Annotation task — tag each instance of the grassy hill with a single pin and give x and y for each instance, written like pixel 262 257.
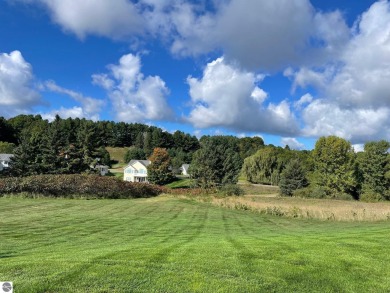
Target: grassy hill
pixel 175 245
pixel 117 154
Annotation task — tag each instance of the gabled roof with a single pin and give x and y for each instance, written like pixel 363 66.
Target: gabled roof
pixel 145 163
pixel 6 157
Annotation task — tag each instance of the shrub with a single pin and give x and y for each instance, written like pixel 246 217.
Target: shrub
pixel 77 186
pixel 188 191
pixel 370 196
pixel 310 192
pixel 231 189
pixel 343 196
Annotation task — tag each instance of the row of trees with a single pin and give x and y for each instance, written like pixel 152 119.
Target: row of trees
pixel 331 170
pixel 73 145
pixel 108 133
pixel 49 149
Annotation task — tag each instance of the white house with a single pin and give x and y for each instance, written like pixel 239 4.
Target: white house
pixel 103 169
pixel 184 169
pixel 136 171
pixel 5 159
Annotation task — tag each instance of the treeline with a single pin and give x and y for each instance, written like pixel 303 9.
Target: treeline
pixel 71 146
pixel 219 160
pixel 332 170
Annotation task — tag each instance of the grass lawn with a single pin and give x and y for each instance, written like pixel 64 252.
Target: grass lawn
pixel 181 182
pixel 176 245
pixel 117 154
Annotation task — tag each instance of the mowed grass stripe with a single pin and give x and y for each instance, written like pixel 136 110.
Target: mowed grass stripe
pixel 173 245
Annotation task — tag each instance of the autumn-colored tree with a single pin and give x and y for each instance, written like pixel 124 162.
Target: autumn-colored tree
pixel 159 170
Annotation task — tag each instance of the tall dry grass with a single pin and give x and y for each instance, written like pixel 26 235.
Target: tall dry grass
pixel 322 209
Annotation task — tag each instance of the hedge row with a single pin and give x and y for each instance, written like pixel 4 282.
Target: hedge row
pixel 77 185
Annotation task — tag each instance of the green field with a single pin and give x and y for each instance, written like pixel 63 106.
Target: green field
pixel 175 245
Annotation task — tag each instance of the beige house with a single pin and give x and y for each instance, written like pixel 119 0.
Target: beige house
pixel 136 171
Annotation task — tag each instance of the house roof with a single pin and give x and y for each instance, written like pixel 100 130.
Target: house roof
pixel 143 162
pixel 6 157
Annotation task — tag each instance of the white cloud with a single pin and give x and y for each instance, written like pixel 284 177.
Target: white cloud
pixel 115 19
pixel 17 91
pixel 324 117
pixel 90 107
pixel 74 112
pixel 304 100
pixel 261 34
pixel 223 97
pixel 354 89
pixel 135 98
pixel 292 142
pixel 358 147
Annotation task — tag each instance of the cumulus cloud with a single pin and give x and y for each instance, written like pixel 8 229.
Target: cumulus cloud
pixel 17 91
pixel 135 97
pixel 262 34
pixel 304 100
pixel 229 97
pixel 323 117
pixel 90 107
pixel 115 19
pixel 74 112
pixel 354 100
pixel 292 142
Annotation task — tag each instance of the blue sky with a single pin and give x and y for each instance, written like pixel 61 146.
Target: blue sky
pixel 289 71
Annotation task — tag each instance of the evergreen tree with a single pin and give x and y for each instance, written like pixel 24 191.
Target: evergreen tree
pixel 53 149
pixel 147 143
pixel 74 160
pixel 375 167
pixel 139 140
pixel 7 133
pixel 292 178
pixel 87 143
pixel 134 153
pixel 217 162
pixel 27 157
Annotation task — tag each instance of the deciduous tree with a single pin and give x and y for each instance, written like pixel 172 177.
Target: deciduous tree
pixel 159 170
pixel 336 170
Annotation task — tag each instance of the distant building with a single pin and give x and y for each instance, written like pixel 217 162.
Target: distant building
pixel 136 171
pixel 5 160
pixel 103 169
pixel 184 169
